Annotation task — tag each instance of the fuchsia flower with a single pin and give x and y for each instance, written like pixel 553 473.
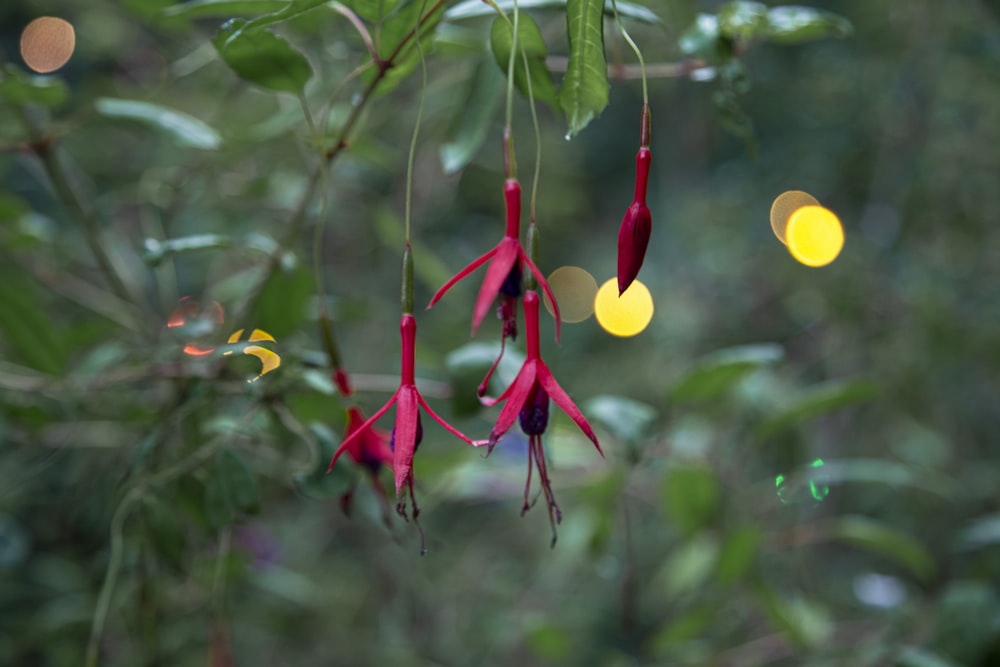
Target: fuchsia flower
pixel 369 450
pixel 408 431
pixel 527 400
pixel 503 276
pixel 633 235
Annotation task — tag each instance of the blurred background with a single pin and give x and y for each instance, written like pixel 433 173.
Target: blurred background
pixel 800 462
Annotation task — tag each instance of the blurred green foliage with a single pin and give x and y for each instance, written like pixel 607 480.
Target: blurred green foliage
pixel 158 509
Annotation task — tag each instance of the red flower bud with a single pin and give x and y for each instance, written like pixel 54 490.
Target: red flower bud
pixel 633 235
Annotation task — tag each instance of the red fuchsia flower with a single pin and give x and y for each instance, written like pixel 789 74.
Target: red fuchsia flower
pixel 503 276
pixel 369 450
pixel 527 400
pixel 633 235
pixel 407 431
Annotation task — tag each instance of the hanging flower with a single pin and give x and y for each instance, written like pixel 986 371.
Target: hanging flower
pixel 503 276
pixel 407 431
pixel 369 450
pixel 633 235
pixel 527 400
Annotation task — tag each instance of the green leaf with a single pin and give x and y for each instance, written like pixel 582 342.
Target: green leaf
pixel 474 116
pixel 701 38
pixel 743 20
pixel 184 129
pixel 289 11
pixel 549 642
pixel 155 251
pixel 584 92
pixel 791 25
pixel 262 58
pixel 396 27
pixel 165 532
pixel 691 496
pixel 217 507
pixel 816 401
pixel 199 9
pixel 283 304
pixel 317 483
pixel 718 372
pixel 19 88
pixel 531 43
pixel 626 419
pixel 27 328
pixel 919 657
pixel 466 367
pixel 472 8
pixel 682 629
pixel 238 481
pixel 982 532
pixel 878 537
pixel 805 623
pixel 737 554
pixel 690 565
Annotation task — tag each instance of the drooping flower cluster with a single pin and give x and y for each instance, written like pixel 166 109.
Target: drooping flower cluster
pixel 527 398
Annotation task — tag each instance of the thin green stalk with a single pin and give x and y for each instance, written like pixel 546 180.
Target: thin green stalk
pixel 638 53
pixel 509 161
pixel 44 149
pixel 118 526
pixel 416 132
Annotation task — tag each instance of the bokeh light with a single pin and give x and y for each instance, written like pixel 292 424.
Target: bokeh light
pixel 818 489
pixel 195 324
pixel 574 289
pixel 625 315
pixel 269 359
pixel 814 236
pixel 784 206
pixel 47 44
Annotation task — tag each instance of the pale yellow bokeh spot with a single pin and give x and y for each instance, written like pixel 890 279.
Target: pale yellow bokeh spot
pixel 47 44
pixel 624 315
pixel 814 236
pixel 574 289
pixel 784 206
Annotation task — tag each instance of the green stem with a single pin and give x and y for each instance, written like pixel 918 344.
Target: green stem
pixel 44 149
pixel 509 117
pixel 416 131
pixel 118 525
pixel 638 53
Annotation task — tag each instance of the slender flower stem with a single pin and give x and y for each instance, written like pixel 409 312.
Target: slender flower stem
pixel 509 117
pixel 416 133
pixel 638 53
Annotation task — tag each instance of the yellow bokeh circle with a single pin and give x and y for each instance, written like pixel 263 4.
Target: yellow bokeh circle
pixel 625 315
pixel 47 44
pixel 784 206
pixel 574 289
pixel 814 236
